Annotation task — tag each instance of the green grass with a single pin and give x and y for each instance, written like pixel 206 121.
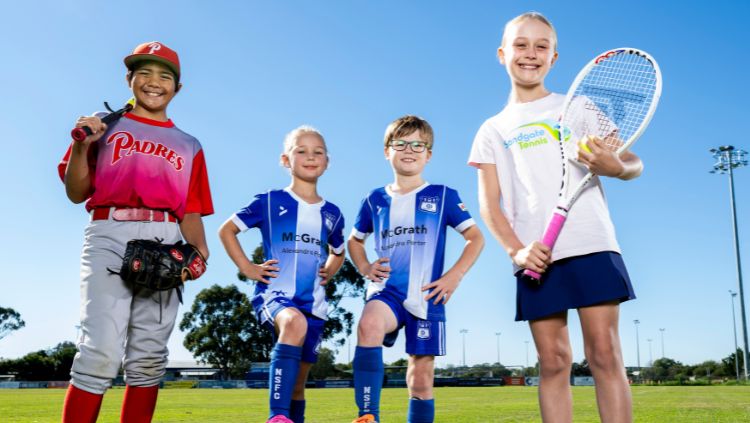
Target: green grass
pixel 455 405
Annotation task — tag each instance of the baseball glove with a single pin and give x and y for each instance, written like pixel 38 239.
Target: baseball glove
pixel 160 267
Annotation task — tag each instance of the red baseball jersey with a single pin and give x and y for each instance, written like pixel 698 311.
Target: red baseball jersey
pixel 143 163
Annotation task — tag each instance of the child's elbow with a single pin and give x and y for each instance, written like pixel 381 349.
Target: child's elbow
pixel 75 196
pixel 227 229
pixel 477 237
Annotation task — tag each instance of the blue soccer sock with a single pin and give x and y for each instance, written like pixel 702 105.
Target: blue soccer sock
pixel 368 379
pixel 282 377
pixel 297 411
pixel 421 411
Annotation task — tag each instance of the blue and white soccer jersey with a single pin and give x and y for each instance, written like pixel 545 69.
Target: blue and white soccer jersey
pixel 298 235
pixel 410 230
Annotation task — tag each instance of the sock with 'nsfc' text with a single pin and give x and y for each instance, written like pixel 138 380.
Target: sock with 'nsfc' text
pixel 283 374
pixel 368 379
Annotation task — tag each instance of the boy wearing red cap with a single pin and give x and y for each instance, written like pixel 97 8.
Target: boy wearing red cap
pixel 141 178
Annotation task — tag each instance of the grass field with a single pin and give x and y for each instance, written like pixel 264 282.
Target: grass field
pixel 454 405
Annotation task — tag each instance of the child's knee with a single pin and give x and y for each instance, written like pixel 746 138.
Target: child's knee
pixel 292 324
pixel 603 356
pixel 371 329
pixel 555 360
pixel 420 385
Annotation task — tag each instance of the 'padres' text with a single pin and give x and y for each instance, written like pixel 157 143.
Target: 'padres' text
pixel 126 144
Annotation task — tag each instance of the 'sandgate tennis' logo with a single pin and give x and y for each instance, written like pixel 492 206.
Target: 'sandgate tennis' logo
pixel 126 145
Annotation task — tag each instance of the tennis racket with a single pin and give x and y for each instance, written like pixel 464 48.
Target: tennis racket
pixel 613 97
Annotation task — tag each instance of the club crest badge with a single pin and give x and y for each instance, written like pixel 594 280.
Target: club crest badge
pixel 429 204
pixel 329 219
pixel 423 330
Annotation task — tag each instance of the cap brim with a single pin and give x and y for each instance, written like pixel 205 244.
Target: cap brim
pixel 135 58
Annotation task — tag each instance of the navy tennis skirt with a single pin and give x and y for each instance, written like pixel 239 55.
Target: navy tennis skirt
pixel 572 283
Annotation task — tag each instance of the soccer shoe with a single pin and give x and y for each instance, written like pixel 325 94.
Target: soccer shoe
pixel 367 418
pixel 279 418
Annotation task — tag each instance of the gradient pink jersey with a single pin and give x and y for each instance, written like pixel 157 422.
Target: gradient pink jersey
pixel 143 163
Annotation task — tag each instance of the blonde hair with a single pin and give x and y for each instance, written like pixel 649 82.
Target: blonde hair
pixel 406 125
pixel 296 133
pixel 535 16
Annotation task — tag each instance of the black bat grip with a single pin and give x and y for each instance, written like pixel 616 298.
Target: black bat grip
pixel 80 134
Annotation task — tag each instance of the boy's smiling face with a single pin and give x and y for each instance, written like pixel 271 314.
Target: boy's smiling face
pixel 406 162
pixel 153 86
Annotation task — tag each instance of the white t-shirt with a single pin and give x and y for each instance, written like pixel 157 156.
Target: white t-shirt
pixel 521 141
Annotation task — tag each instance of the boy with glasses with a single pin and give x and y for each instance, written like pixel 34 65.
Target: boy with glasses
pixel 408 287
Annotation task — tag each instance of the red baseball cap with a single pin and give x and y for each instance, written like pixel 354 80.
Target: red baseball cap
pixel 155 51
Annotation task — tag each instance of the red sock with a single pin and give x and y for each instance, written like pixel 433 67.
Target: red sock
pixel 81 406
pixel 139 404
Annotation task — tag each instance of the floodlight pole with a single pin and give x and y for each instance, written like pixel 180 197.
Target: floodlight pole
pixel 637 344
pixel 727 159
pixel 527 353
pixel 662 341
pixel 463 335
pixel 734 328
pixel 498 346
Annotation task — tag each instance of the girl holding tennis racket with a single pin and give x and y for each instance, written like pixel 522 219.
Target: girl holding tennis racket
pixel 517 153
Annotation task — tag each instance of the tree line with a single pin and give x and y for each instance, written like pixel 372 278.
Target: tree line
pixel 221 330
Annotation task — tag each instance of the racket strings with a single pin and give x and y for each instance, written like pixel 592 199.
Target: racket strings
pixel 613 100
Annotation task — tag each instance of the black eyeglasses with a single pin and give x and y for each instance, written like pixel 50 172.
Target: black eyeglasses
pixel 416 146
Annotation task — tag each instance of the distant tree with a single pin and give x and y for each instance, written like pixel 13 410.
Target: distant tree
pixel 222 330
pixel 50 364
pixel 10 320
pixel 62 354
pixel 664 369
pixel 708 369
pixel 36 366
pixel 347 283
pixel 344 368
pixel 400 362
pixel 581 369
pixel 325 365
pixel 728 363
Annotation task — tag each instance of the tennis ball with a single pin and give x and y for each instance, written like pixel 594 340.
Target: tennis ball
pixel 583 146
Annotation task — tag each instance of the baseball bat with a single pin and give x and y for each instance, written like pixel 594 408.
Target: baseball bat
pixel 80 134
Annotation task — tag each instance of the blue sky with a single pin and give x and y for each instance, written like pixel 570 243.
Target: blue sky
pixel 255 70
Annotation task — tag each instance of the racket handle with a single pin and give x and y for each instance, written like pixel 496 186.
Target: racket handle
pixel 80 134
pixel 549 239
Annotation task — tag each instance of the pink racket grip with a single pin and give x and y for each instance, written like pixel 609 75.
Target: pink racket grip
pixel 549 239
